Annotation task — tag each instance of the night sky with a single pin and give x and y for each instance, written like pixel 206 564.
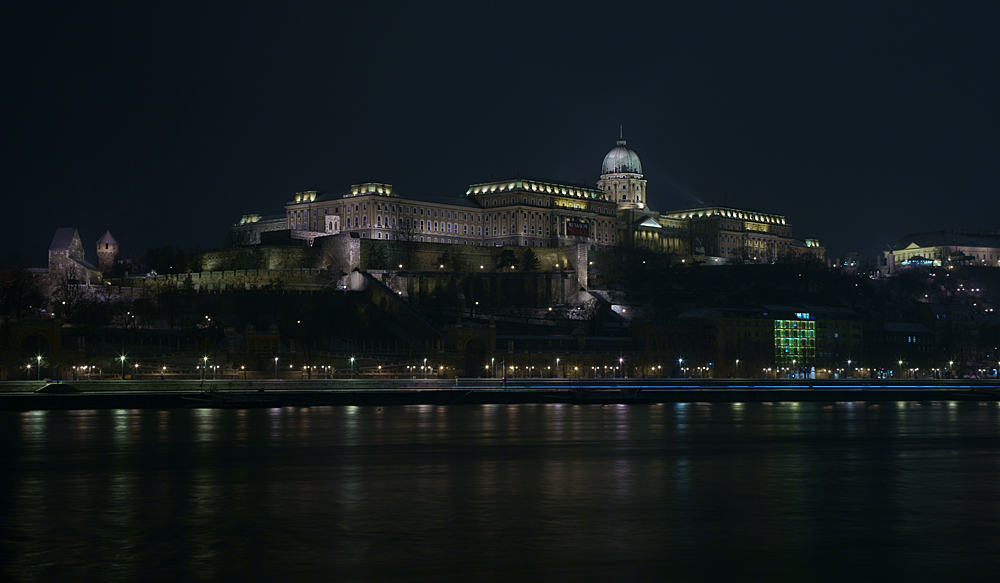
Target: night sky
pixel 861 122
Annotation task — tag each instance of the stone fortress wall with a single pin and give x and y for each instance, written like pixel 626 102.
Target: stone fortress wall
pixel 427 268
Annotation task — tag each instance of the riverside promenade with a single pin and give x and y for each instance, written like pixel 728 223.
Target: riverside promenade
pixel 159 394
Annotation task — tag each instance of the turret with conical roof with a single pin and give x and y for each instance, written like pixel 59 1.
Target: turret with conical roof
pixel 107 252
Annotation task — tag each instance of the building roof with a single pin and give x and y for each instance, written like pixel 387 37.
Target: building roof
pixel 621 160
pixel 726 212
pixel 107 239
pixel 951 311
pixel 62 239
pixel 85 264
pixel 948 238
pixel 750 313
pixel 906 327
pixel 399 196
pixel 536 186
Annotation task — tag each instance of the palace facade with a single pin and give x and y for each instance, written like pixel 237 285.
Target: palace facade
pixel 941 248
pixel 529 212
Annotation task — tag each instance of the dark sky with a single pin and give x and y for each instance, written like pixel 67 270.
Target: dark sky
pixel 165 122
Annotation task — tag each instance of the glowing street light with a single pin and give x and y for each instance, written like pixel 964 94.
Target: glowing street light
pixel 275 368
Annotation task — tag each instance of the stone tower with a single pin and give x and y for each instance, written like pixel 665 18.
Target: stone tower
pixel 107 252
pixel 621 178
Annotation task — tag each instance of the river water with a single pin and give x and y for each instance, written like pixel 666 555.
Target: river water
pixel 672 492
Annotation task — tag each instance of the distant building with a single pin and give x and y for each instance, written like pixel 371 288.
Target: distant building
pixel 942 248
pixel 530 212
pixel 734 233
pixel 771 340
pixel 67 262
pixel 248 231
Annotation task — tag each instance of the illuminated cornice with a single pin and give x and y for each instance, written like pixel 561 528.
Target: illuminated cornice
pixel 532 186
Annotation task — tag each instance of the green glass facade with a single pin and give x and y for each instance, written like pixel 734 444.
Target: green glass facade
pixel 794 340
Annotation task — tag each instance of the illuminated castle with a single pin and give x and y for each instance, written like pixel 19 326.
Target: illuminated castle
pixel 528 212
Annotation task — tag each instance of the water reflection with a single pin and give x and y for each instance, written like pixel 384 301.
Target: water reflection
pixel 569 492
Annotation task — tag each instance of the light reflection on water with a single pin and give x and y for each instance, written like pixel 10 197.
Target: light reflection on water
pixel 741 491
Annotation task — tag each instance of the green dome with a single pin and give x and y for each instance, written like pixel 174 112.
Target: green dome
pixel 621 160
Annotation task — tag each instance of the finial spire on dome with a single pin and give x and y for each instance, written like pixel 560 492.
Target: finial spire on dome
pixel 621 136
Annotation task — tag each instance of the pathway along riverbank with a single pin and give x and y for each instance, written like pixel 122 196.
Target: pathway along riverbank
pixel 22 395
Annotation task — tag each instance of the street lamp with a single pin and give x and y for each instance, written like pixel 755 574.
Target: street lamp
pixel 39 373
pixel 425 368
pixel 680 365
pixel 557 367
pixel 352 367
pixel 737 368
pixel 122 358
pixel 275 368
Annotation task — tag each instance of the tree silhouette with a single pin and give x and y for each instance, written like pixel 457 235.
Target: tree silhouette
pixel 529 260
pixel 507 260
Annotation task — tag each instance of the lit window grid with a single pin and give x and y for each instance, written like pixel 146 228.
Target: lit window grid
pixel 794 340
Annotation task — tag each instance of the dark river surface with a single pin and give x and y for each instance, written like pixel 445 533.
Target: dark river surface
pixel 672 492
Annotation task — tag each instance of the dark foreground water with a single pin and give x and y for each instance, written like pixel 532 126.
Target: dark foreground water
pixel 782 492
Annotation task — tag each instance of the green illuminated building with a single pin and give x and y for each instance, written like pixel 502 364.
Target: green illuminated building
pixel 795 340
